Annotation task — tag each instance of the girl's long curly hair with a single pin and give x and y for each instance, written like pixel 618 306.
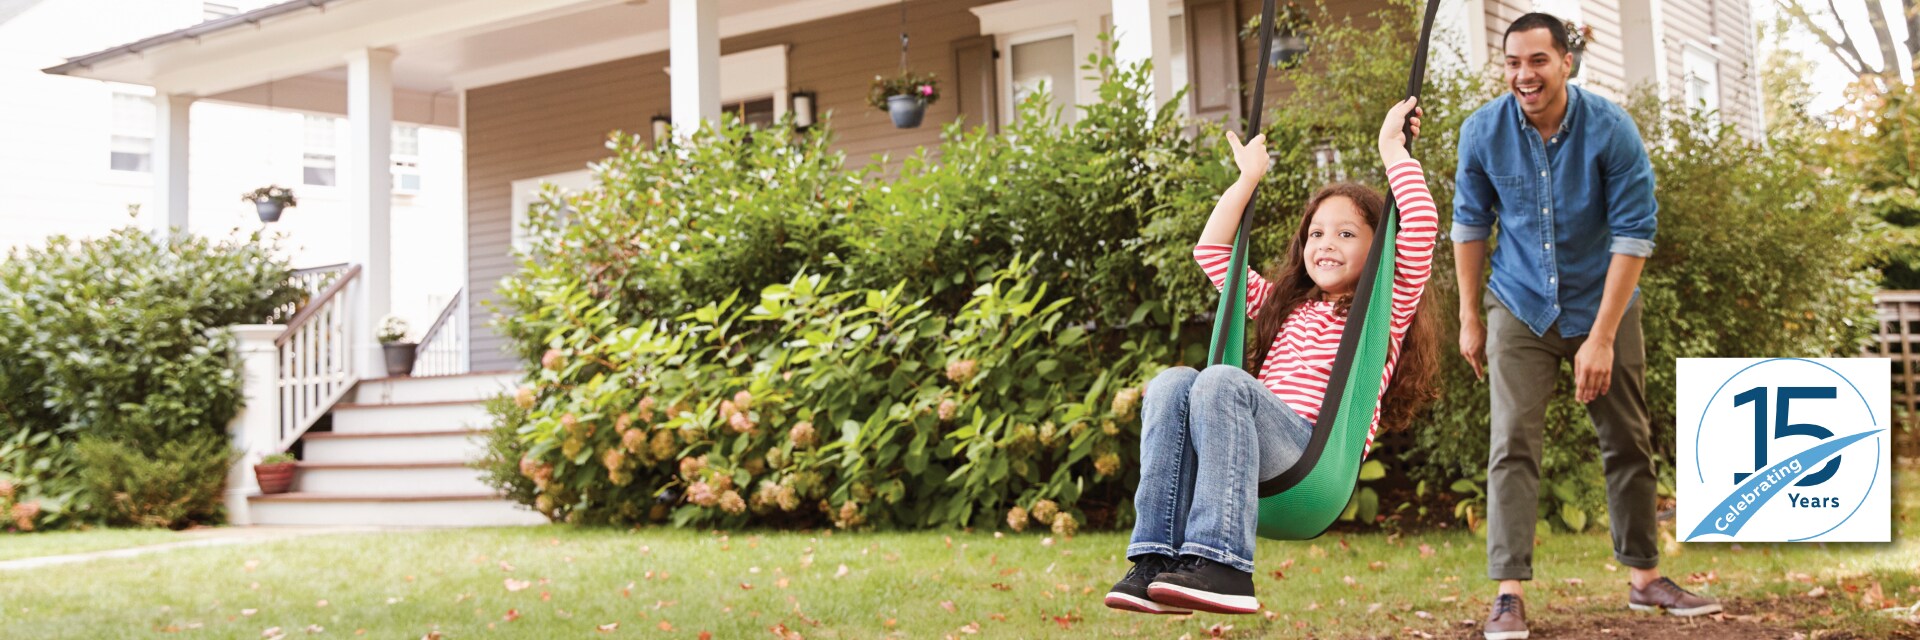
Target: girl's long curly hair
pixel 1412 387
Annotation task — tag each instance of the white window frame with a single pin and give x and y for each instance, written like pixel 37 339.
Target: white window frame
pixel 1022 21
pixel 527 191
pixel 150 117
pixel 1700 62
pixel 307 148
pixel 405 164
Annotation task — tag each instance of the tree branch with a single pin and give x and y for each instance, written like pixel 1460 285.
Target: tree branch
pixel 1877 17
pixel 1842 49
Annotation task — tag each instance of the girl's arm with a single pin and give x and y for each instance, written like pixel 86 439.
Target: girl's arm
pixel 1215 249
pixel 1419 219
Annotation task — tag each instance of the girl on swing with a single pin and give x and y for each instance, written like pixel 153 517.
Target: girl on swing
pixel 1210 437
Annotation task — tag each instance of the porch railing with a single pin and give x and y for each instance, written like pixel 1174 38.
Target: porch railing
pixel 315 357
pixel 312 280
pixel 439 352
pixel 1898 336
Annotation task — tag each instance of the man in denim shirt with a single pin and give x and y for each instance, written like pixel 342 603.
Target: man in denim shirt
pixel 1563 175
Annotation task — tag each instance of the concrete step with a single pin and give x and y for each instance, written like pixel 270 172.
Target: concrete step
pixel 389 478
pixel 409 416
pixel 307 508
pixel 404 389
pixel 434 445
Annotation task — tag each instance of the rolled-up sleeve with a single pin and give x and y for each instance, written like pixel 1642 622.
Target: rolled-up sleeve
pixel 1473 195
pixel 1631 207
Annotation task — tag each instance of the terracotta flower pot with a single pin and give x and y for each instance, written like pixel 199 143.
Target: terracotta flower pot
pixel 276 477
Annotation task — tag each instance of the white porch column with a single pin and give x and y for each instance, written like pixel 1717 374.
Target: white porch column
pixel 694 37
pixel 369 180
pixel 1142 32
pixel 170 164
pixel 255 431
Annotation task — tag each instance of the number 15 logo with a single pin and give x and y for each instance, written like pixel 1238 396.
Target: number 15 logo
pixel 1784 396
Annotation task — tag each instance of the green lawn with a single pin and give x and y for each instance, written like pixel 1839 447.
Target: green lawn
pixel 53 543
pixel 670 583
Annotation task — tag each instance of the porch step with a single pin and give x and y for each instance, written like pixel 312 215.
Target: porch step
pixel 389 478
pixel 441 445
pixel 405 389
pixel 413 510
pixel 409 416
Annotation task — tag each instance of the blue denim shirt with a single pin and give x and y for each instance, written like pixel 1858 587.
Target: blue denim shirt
pixel 1564 205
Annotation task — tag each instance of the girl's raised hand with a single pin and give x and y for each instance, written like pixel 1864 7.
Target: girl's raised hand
pixel 1250 157
pixel 1393 141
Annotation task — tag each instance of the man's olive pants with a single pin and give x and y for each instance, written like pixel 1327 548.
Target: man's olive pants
pixel 1523 369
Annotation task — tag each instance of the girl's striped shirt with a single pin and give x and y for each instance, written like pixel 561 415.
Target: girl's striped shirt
pixel 1300 360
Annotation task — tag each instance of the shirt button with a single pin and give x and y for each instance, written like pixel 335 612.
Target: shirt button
pixel 1546 210
pixel 1552 279
pixel 1549 246
pixel 1543 174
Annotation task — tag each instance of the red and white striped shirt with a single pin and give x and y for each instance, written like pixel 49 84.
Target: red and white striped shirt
pixel 1300 361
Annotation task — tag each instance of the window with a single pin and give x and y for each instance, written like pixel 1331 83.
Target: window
pixel 756 113
pixel 1701 73
pixel 217 10
pixel 526 192
pixel 406 159
pixel 1045 64
pixel 1044 42
pixel 133 122
pixel 319 161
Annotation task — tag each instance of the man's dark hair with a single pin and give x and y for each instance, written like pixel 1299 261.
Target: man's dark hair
pixel 1537 20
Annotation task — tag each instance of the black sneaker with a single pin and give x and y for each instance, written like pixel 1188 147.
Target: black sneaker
pixel 1130 593
pixel 1205 585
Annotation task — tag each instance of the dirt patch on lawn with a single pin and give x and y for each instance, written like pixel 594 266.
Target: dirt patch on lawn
pixel 1748 620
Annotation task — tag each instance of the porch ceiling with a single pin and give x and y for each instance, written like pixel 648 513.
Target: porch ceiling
pixel 443 46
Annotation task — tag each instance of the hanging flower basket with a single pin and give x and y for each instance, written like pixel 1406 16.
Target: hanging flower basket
pixel 270 201
pixel 904 97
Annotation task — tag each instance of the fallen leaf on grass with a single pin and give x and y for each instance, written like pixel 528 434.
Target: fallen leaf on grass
pixel 1377 565
pixel 1350 581
pixel 841 572
pixel 1819 591
pixel 518 585
pixel 1002 586
pixel 512 615
pixel 271 632
pixel 970 628
pixel 1066 621
pixel 608 627
pixel 746 586
pixel 505 567
pixel 248 612
pixel 1575 582
pixel 948 605
pixel 1709 577
pixel 1218 630
pixel 1426 550
pixel 665 626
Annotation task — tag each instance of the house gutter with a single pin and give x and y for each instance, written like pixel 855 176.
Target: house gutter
pixel 190 33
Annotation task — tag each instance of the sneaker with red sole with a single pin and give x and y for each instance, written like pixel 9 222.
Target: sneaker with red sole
pixel 1130 593
pixel 1204 585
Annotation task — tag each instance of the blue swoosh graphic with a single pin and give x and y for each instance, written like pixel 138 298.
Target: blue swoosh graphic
pixel 1807 459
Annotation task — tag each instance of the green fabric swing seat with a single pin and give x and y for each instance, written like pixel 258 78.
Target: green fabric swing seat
pixel 1301 502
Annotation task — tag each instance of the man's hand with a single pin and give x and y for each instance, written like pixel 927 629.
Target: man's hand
pixel 1593 369
pixel 1473 345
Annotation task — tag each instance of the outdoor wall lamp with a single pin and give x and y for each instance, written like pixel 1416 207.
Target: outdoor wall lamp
pixel 801 104
pixel 662 128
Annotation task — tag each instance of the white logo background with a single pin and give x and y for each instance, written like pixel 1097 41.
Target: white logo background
pixel 1716 439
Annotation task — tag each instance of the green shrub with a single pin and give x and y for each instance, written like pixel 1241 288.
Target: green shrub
pixel 118 341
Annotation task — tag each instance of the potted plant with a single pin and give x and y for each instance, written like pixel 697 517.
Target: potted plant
pixel 1290 25
pixel 904 97
pixel 1578 37
pixel 270 200
pixel 275 473
pixel 393 331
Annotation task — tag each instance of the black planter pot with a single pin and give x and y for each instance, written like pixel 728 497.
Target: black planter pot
pixel 906 111
pixel 1577 55
pixel 269 210
pixel 399 358
pixel 1287 48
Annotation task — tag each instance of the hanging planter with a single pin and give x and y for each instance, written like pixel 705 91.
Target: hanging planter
pixel 1290 41
pixel 904 97
pixel 270 201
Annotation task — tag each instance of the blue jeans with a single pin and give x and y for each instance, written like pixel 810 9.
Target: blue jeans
pixel 1243 432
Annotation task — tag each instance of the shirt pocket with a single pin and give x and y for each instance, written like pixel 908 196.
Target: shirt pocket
pixel 1513 193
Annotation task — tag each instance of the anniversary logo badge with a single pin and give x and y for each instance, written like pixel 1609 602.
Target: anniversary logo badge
pixel 1783 449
